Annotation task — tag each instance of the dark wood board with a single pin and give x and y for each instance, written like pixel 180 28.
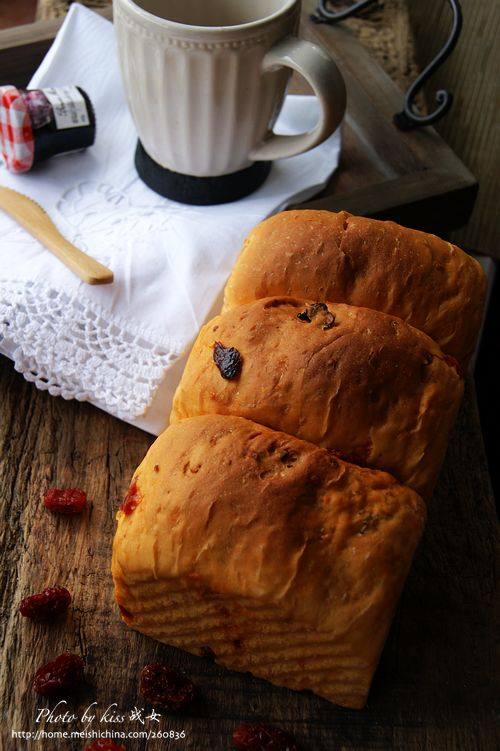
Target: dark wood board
pixel 433 689
pixel 413 178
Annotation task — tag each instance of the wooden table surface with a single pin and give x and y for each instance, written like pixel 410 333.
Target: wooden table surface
pixel 433 689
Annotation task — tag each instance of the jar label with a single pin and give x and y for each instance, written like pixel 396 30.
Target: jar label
pixel 70 108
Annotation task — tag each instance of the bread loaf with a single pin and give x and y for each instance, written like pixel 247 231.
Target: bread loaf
pixel 282 559
pixel 272 551
pixel 319 255
pixel 363 383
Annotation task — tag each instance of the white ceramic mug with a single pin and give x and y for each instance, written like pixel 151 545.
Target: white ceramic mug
pixel 205 80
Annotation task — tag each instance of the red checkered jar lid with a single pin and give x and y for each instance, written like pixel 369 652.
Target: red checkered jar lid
pixel 17 142
pixel 36 124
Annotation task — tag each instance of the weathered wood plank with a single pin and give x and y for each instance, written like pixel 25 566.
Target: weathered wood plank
pixel 432 690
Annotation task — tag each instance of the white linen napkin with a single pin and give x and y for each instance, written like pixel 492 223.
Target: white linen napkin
pixel 123 346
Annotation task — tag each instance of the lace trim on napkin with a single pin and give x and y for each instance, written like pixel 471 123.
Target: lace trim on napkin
pixel 67 348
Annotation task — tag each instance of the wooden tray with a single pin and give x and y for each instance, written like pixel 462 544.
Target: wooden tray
pixel 433 688
pixel 413 178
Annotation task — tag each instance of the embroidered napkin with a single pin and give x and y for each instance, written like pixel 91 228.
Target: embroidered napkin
pixel 123 346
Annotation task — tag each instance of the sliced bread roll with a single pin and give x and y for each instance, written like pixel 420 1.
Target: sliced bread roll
pixel 360 382
pixel 320 255
pixel 278 557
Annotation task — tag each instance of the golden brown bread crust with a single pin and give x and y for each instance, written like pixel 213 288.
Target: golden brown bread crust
pixel 282 559
pixel 371 387
pixel 319 255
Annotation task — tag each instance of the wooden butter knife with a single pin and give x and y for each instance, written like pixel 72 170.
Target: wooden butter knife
pixel 33 218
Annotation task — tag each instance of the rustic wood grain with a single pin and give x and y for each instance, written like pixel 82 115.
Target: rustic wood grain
pixel 413 178
pixel 433 689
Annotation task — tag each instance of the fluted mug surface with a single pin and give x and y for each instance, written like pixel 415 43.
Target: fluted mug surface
pixel 205 80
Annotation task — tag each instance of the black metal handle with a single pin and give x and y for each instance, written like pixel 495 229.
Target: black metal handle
pixel 409 118
pixel 323 15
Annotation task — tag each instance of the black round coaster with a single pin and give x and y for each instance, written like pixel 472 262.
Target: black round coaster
pixel 199 191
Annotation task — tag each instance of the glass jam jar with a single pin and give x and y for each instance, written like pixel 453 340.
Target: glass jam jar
pixel 36 124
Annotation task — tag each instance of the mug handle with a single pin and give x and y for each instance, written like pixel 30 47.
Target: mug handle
pixel 322 74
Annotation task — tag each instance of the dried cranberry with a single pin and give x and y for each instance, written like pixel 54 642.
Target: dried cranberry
pixel 248 737
pixel 327 319
pixel 358 455
pixel 125 613
pixel 370 522
pixel 48 604
pixel 228 360
pixel 288 457
pixel 338 454
pixel 165 687
pixel 453 363
pixel 104 744
pixel 61 676
pixel 131 500
pixel 68 501
pixel 304 316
